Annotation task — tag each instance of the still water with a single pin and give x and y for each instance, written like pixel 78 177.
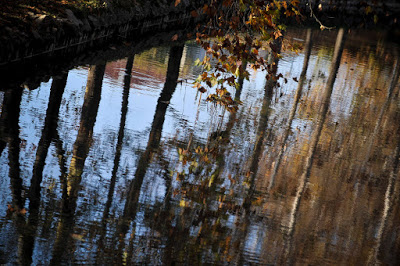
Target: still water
pixel 124 162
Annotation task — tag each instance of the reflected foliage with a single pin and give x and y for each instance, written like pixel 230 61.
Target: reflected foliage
pixel 125 163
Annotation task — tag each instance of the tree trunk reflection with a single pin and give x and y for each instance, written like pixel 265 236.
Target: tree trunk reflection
pixel 124 111
pixel 307 53
pixel 242 230
pixel 132 200
pixel 323 110
pixel 48 133
pixel 263 122
pixel 393 178
pixel 80 152
pixel 9 134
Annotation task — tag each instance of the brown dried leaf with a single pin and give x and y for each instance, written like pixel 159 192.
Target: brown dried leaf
pixel 202 89
pixel 194 14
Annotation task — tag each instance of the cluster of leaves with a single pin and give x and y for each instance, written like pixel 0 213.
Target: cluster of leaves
pixel 196 161
pixel 236 32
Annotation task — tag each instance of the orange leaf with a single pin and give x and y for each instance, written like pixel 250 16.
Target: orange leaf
pixel 174 38
pixel 295 2
pixel 177 2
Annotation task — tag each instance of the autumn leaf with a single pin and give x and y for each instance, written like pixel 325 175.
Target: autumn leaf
pixel 77 237
pixel 295 2
pixel 174 38
pixel 10 208
pixel 368 10
pixel 183 203
pixel 231 79
pixel 277 34
pixel 177 2
pixel 215 47
pixel 375 19
pixel 194 14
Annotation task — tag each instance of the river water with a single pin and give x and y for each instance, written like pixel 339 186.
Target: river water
pixel 124 162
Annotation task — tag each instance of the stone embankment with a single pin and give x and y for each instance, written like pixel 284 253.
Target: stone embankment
pixel 45 34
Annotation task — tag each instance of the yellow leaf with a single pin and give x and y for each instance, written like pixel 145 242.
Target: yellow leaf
pixel 375 19
pixel 77 237
pixel 183 203
pixel 368 10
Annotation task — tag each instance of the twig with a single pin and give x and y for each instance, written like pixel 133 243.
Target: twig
pixel 322 27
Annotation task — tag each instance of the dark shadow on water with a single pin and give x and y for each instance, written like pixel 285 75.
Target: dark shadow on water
pixel 48 133
pixel 132 201
pixel 9 136
pixel 80 151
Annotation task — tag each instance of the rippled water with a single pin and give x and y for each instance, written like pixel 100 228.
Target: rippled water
pixel 123 162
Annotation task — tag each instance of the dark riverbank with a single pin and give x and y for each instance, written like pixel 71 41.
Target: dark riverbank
pixel 50 30
pixel 39 30
pixel 30 73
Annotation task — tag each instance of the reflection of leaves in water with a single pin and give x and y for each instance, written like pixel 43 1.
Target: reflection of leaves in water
pixel 78 237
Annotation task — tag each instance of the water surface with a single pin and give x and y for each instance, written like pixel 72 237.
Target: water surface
pixel 124 162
